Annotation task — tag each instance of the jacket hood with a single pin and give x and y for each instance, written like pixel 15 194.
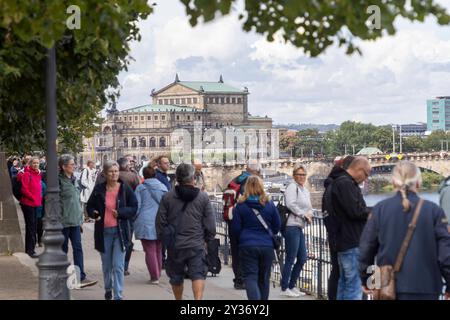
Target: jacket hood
pixel 254 204
pixel 155 184
pixel 63 176
pixel 335 173
pixel 187 193
pixel 243 176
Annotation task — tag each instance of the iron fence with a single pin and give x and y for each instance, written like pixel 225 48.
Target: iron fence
pixel 314 276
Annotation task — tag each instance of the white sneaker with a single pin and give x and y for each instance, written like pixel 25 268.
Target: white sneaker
pixel 298 292
pixel 289 293
pixel 154 282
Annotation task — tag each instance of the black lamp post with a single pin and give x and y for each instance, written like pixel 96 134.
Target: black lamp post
pixel 53 262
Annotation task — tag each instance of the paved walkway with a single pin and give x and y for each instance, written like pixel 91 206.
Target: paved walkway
pixel 19 278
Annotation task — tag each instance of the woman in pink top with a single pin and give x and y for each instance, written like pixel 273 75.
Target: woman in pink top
pixel 113 205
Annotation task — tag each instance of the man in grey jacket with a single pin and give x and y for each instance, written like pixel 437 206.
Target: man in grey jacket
pixel 189 211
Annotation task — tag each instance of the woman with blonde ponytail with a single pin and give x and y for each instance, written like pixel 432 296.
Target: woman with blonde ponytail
pixel 427 260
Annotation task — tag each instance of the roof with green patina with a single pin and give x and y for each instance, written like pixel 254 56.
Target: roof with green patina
pixel 210 87
pixel 160 107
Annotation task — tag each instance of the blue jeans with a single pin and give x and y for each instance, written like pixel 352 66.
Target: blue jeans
pixel 349 286
pixel 113 260
pixel 294 242
pixel 74 234
pixel 256 264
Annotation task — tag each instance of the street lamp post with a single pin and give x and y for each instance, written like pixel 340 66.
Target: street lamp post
pixel 53 261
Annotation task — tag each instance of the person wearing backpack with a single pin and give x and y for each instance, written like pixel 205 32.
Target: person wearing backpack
pixel 255 221
pixel 298 201
pixel 149 196
pixel 234 190
pixel 423 266
pixel 30 199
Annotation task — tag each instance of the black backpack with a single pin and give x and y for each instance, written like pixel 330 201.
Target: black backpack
pixel 284 211
pixel 212 257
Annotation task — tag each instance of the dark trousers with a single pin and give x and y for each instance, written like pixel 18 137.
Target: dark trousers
pixel 74 234
pixel 235 260
pixel 333 280
pixel 29 214
pixel 256 264
pixel 128 253
pixel 40 230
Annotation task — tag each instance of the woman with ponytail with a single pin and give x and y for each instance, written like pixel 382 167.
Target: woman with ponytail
pixel 427 259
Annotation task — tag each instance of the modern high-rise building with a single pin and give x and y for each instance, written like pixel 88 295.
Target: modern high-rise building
pixel 438 114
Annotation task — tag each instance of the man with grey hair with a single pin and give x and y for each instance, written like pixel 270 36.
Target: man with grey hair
pixel 185 221
pixel 351 211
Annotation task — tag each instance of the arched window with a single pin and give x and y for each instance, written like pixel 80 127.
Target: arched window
pixel 142 143
pixel 162 142
pixel 152 143
pixel 125 143
pixel 134 143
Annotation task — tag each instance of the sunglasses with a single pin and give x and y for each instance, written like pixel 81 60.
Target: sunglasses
pixel 300 174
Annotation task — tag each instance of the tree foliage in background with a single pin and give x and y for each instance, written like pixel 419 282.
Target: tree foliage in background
pixel 360 135
pixel 88 63
pixel 314 25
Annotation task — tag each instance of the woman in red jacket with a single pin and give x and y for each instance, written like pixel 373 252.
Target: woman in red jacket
pixel 31 199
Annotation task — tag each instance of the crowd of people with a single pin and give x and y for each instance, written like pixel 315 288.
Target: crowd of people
pixel 174 220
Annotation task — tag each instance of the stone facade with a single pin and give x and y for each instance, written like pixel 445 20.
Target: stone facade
pixel 145 131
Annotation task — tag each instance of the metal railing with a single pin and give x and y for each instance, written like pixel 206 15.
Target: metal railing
pixel 314 276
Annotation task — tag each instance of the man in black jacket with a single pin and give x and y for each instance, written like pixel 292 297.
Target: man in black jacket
pixel 188 212
pixel 351 211
pixel 338 170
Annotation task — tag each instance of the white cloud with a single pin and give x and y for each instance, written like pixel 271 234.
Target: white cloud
pixel 389 83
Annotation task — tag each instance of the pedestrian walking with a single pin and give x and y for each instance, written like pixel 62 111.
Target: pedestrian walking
pixel 72 215
pixel 420 263
pixel 129 177
pixel 112 204
pixel 149 196
pixel 186 221
pixel 162 167
pixel 256 244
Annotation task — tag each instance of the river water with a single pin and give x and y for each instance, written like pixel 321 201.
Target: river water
pixel 373 199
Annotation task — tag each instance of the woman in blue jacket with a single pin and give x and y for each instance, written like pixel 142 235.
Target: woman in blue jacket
pixel 256 247
pixel 149 196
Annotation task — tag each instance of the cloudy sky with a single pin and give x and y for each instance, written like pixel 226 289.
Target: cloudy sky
pixel 388 84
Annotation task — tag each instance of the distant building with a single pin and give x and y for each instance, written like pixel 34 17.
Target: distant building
pixel 438 114
pixel 412 129
pixel 145 131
